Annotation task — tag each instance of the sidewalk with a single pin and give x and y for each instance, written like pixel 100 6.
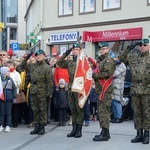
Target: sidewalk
pixel 56 139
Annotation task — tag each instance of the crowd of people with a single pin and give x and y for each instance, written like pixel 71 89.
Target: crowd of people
pixel 47 83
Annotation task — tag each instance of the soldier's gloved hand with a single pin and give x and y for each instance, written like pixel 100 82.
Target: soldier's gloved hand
pixel 94 75
pixel 29 55
pixel 69 50
pixel 133 45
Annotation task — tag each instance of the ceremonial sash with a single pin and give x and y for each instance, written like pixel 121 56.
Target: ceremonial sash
pixel 105 83
pixel 83 79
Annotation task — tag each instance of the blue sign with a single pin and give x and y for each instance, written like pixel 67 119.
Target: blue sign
pixel 15 46
pixel 64 37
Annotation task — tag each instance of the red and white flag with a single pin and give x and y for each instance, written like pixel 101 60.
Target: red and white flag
pixel 83 79
pixel 1 90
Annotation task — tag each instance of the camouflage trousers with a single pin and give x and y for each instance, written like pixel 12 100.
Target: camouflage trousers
pixel 76 112
pixel 141 108
pixel 103 108
pixel 39 105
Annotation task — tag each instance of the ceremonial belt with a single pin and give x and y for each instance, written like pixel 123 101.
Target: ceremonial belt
pixel 105 83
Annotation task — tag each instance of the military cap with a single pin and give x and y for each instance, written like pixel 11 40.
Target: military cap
pixel 40 51
pixel 144 41
pixel 76 45
pixel 103 44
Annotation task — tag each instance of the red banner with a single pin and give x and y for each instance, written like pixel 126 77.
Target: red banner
pixel 113 35
pixel 82 79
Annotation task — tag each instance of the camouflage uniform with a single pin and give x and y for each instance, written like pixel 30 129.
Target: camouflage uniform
pixel 41 87
pixel 140 70
pixel 107 67
pixel 76 111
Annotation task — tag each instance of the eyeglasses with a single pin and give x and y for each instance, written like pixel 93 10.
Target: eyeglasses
pixel 142 45
pixel 2 54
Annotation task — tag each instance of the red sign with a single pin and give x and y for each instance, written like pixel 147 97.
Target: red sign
pixel 113 35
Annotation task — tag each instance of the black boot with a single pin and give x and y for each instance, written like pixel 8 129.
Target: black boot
pixel 36 129
pixel 72 133
pixel 104 136
pixel 146 137
pixel 63 123
pixel 41 130
pixel 107 132
pixel 60 123
pixel 139 137
pixel 78 133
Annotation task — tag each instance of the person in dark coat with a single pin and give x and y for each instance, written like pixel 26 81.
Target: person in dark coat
pixel 61 101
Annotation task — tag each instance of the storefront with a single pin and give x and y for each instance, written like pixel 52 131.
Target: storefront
pixel 118 39
pixel 60 42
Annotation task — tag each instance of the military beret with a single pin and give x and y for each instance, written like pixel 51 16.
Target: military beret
pixel 40 51
pixel 103 44
pixel 144 41
pixel 76 45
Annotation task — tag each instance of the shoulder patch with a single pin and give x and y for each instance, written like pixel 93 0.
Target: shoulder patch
pixel 107 61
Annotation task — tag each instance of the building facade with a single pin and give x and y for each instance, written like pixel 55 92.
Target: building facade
pixel 59 22
pixel 14 33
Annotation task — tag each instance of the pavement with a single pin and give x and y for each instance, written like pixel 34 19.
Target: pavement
pixel 55 138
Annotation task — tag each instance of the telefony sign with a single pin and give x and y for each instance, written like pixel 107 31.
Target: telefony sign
pixel 64 37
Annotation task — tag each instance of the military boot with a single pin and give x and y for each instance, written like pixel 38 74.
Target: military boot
pixel 41 130
pixel 72 133
pixel 78 133
pixel 36 129
pixel 104 136
pixel 139 137
pixel 146 137
pixel 107 133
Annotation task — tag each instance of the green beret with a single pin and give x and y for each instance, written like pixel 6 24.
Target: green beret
pixel 145 41
pixel 40 51
pixel 77 45
pixel 103 44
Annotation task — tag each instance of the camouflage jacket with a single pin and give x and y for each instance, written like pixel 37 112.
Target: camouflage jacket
pixel 140 70
pixel 107 68
pixel 41 77
pixel 70 65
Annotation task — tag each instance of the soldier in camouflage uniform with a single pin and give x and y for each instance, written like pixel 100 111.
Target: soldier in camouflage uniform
pixel 106 67
pixel 41 88
pixel 76 111
pixel 139 62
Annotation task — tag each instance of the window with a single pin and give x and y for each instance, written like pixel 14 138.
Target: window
pixel 148 2
pixel 65 8
pixel 13 34
pixel 11 11
pixel 87 6
pixel 111 5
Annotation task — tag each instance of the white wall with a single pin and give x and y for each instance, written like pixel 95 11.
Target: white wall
pixel 21 23
pixel 129 9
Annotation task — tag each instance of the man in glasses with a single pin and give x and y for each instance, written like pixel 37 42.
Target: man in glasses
pixel 40 89
pixel 103 76
pixel 3 57
pixel 139 62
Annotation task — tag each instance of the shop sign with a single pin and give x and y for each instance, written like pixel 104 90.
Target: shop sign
pixel 113 35
pixel 64 37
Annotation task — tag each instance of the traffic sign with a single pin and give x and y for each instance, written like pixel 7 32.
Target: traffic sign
pixel 1 26
pixel 23 46
pixel 15 46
